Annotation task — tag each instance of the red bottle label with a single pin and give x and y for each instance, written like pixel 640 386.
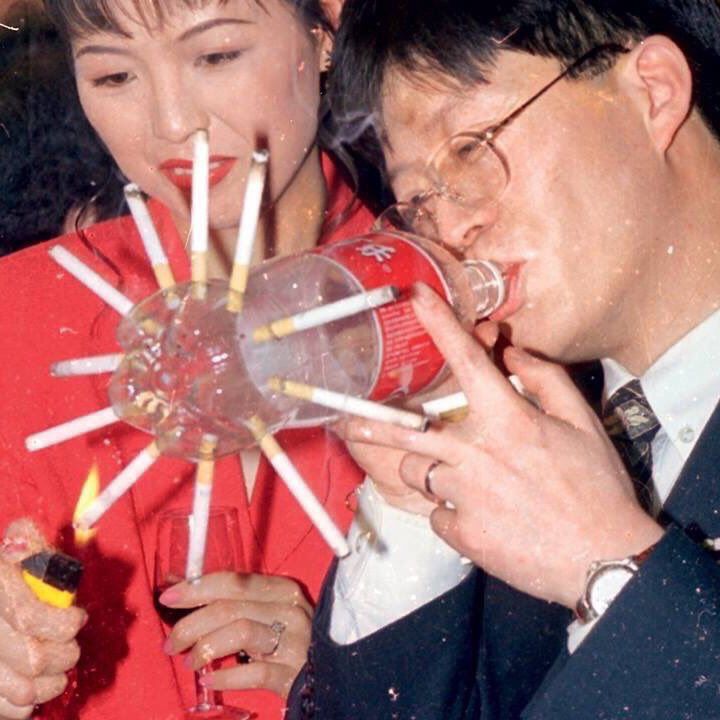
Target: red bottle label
pixel 410 361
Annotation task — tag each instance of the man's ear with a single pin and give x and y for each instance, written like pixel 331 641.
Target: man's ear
pixel 660 76
pixel 332 9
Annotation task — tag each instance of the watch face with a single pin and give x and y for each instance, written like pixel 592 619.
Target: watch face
pixel 607 584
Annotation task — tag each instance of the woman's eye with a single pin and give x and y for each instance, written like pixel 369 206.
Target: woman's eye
pixel 218 58
pixel 112 80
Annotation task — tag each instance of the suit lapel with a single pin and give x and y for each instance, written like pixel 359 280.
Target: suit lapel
pixel 694 502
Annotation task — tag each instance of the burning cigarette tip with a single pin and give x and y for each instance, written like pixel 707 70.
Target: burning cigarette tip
pixel 53 577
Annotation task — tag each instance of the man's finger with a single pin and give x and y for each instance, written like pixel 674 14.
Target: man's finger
pixel 552 387
pixel 433 443
pixel 467 359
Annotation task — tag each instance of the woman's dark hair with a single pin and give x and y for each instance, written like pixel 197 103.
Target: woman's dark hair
pixel 78 17
pixel 457 41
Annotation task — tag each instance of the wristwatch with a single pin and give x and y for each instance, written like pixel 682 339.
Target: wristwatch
pixel 605 579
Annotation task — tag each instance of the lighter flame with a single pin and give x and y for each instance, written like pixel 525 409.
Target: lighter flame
pixel 88 493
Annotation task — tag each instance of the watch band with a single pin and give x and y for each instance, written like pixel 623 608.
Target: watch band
pixel 584 610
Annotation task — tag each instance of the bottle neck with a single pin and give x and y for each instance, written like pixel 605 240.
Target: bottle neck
pixel 487 284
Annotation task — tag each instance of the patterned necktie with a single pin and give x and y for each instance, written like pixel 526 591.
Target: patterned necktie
pixel 632 425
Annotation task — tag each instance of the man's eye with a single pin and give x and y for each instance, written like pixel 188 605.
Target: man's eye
pixel 218 58
pixel 468 148
pixel 112 80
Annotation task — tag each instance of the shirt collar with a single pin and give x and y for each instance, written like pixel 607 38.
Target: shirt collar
pixel 682 386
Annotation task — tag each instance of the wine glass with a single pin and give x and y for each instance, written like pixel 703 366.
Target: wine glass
pixel 222 552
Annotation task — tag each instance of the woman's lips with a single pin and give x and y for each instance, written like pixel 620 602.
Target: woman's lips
pixel 513 297
pixel 179 172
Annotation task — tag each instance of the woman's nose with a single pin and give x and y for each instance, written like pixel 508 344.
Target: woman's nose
pixel 176 112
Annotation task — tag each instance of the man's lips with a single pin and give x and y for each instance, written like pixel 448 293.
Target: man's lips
pixel 179 172
pixel 513 296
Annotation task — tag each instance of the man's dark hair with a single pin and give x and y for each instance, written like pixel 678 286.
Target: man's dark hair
pixel 457 41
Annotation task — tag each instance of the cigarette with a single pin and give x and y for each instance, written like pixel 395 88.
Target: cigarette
pixel 53 577
pixel 454 408
pixel 71 429
pixel 117 487
pixel 91 365
pixel 349 404
pixel 298 487
pixel 148 234
pixel 201 508
pixel 247 230
pixel 88 277
pixel 199 214
pixel 327 313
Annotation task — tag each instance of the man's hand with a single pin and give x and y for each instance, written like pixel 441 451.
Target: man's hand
pixel 37 641
pixel 236 614
pixel 535 495
pixel 382 463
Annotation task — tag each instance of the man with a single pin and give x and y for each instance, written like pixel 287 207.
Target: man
pixel 574 143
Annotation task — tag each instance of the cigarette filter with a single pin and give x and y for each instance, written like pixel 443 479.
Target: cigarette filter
pixel 53 577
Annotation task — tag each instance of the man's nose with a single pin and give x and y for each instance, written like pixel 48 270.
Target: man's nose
pixel 460 226
pixel 177 112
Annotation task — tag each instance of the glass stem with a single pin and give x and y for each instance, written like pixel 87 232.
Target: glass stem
pixel 207 698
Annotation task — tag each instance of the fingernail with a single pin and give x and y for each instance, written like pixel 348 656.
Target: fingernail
pixel 188 661
pixel 207 680
pixel 168 647
pixel 170 596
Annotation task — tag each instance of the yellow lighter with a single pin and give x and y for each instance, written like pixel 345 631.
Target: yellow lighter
pixel 53 576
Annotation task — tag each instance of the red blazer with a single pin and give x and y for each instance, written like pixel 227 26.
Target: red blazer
pixel 46 315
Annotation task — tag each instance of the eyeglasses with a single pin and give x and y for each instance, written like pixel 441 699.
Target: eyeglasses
pixel 468 170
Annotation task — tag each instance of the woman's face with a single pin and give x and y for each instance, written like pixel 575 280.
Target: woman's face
pixel 247 73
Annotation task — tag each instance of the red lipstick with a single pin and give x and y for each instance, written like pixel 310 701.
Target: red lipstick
pixel 179 171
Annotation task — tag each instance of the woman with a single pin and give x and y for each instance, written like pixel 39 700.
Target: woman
pixel 149 75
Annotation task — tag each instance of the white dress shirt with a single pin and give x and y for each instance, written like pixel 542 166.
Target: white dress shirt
pixel 405 566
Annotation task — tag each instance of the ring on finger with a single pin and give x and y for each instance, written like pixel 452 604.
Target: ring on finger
pixel 278 627
pixel 429 475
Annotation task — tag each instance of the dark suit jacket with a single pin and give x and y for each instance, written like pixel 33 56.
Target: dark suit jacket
pixel 486 651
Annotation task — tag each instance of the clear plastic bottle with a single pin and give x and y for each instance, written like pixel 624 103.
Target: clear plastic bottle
pixel 193 368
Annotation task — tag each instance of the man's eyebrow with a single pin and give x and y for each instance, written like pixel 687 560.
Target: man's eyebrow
pixel 189 33
pixel 209 24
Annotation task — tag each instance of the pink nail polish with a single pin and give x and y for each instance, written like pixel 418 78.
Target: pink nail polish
pixel 188 661
pixel 170 596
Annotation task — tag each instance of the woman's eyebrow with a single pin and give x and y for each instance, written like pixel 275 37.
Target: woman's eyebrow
pixel 186 35
pixel 208 24
pixel 100 50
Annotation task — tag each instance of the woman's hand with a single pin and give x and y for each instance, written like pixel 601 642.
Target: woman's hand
pixel 266 617
pixel 37 641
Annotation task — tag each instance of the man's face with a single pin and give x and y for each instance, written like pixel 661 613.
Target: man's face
pixel 576 225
